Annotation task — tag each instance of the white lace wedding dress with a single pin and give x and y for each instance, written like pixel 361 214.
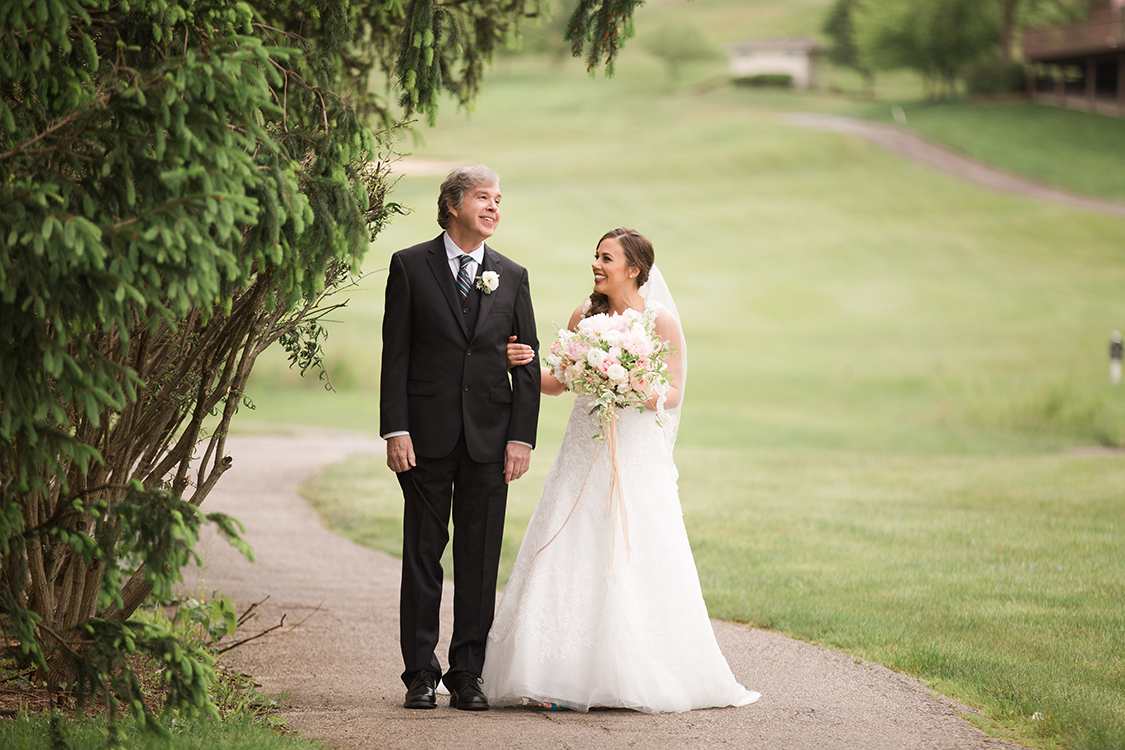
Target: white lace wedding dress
pixel 586 622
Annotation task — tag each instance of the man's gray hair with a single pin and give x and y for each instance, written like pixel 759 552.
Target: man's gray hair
pixel 456 184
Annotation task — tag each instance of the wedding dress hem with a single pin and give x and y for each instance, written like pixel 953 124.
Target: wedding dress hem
pixel 600 614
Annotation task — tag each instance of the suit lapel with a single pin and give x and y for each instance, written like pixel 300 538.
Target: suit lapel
pixel 491 263
pixel 439 264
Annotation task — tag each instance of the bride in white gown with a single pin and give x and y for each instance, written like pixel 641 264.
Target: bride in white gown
pixel 606 610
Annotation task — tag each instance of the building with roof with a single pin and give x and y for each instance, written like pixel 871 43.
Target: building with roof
pixel 797 58
pixel 1080 64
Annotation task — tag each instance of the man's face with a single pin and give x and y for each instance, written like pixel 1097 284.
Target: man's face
pixel 476 218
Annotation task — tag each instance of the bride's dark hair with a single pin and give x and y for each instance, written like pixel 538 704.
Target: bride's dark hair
pixel 638 254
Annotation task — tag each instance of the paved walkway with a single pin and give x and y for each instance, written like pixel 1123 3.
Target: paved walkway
pixel 341 666
pixel 913 146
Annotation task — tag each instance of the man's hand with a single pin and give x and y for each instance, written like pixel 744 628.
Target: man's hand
pixel 400 454
pixel 517 457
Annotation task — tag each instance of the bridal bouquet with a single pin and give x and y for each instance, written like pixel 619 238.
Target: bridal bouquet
pixel 616 359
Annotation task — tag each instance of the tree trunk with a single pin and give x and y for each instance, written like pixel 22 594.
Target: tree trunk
pixel 60 669
pixel 1007 28
pixel 190 374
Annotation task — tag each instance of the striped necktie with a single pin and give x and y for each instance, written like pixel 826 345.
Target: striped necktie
pixel 464 283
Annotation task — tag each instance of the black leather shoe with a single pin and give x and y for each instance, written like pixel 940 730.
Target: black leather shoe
pixel 421 693
pixel 465 693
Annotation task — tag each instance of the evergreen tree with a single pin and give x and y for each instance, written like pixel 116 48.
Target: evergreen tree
pixel 679 45
pixel 937 38
pixel 839 26
pixel 181 183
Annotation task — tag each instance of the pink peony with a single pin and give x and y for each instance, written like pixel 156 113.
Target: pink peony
pixel 576 350
pixel 638 344
pixel 595 323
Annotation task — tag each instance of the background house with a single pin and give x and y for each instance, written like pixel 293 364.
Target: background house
pixel 1081 64
pixel 799 58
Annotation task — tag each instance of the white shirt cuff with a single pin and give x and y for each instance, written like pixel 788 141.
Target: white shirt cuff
pixel 390 435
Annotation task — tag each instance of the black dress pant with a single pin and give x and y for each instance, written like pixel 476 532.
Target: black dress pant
pixel 477 496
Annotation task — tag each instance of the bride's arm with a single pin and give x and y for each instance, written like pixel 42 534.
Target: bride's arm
pixel 669 330
pixel 521 354
pixel 549 384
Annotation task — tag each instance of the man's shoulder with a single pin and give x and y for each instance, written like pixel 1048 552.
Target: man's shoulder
pixel 506 262
pixel 421 250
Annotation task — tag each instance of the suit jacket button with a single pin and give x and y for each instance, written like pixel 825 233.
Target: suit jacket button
pixel 469 353
pixel 465 310
pixel 466 388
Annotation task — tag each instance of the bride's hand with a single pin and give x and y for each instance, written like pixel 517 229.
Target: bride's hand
pixel 519 354
pixel 669 397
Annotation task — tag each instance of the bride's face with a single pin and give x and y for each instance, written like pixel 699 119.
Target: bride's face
pixel 611 270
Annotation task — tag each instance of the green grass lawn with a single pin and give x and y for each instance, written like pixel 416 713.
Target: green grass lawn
pixel 33 733
pixel 833 295
pixel 997 579
pixel 887 366
pixel 728 21
pixel 1062 147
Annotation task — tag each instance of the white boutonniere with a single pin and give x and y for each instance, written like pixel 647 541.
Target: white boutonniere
pixel 488 282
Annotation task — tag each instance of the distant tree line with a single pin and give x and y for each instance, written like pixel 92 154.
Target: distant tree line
pixel 945 41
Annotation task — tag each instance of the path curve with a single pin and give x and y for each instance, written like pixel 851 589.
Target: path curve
pixel 913 146
pixel 341 666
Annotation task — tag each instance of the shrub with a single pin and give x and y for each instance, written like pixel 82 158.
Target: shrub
pixel 776 80
pixel 996 77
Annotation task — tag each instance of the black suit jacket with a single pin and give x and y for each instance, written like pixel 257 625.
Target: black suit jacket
pixel 438 376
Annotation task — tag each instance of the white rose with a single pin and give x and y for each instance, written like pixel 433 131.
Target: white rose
pixel 572 374
pixel 489 282
pixel 595 357
pixel 617 373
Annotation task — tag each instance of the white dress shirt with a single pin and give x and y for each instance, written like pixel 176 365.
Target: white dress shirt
pixel 454 254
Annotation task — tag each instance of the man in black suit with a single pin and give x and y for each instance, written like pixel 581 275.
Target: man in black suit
pixel 458 427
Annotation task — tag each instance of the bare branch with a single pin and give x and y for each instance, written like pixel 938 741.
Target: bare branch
pixel 56 125
pixel 236 644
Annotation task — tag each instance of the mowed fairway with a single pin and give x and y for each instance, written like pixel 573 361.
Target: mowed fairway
pixel 889 370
